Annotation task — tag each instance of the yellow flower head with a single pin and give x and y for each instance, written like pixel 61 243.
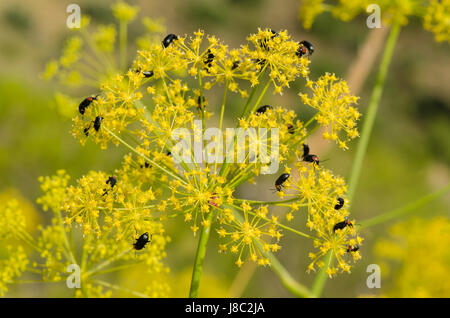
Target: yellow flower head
pixel 435 19
pixel 12 267
pixel 124 12
pixel 249 237
pixel 336 106
pixel 276 52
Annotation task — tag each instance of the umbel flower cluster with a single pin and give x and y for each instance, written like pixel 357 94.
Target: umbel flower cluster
pixel 435 14
pixel 173 83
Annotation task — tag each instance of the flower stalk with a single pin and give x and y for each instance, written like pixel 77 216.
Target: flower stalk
pixel 200 256
pixel 372 111
pixel 413 206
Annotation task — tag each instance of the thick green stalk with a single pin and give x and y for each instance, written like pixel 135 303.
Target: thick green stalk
pixel 249 99
pixel 261 96
pixel 372 111
pixel 285 277
pixel 200 256
pixel 321 277
pixel 406 209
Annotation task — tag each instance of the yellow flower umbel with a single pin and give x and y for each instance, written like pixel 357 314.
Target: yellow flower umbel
pixel 12 221
pixel 437 19
pixel 336 106
pixel 111 219
pixel 12 267
pixel 276 52
pixel 124 12
pixel 250 235
pixel 318 190
pixel 173 88
pixel 435 13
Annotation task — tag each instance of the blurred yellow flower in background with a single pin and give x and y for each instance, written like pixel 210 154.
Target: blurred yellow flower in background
pixel 417 253
pixel 435 14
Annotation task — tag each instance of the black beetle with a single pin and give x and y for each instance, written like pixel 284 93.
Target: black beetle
pixel 85 103
pixel 97 123
pixel 353 248
pixel 304 47
pixel 281 179
pixel 142 241
pixel 263 109
pixel 169 39
pixel 342 225
pixel 307 157
pixel 340 204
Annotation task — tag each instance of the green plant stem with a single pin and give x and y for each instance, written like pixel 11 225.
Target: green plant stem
pixel 123 44
pixel 200 257
pixel 372 111
pixel 224 169
pixel 202 108
pixel 222 112
pixel 249 99
pixel 107 262
pixel 119 288
pixel 321 277
pixel 385 217
pixel 285 277
pixel 269 202
pixel 224 102
pixel 261 96
pixel 310 120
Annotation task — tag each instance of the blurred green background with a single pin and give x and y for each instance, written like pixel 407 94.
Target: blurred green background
pixel 409 152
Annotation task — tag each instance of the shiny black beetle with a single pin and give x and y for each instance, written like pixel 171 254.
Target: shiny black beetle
pixel 342 225
pixel 85 103
pixel 169 39
pixel 142 241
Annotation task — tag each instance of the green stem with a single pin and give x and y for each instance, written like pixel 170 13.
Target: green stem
pixel 119 288
pixel 269 202
pixel 321 277
pixel 249 99
pixel 385 217
pixel 224 102
pixel 123 44
pixel 200 256
pixel 107 262
pixel 286 279
pixel 310 120
pixel 261 96
pixel 224 169
pixel 372 111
